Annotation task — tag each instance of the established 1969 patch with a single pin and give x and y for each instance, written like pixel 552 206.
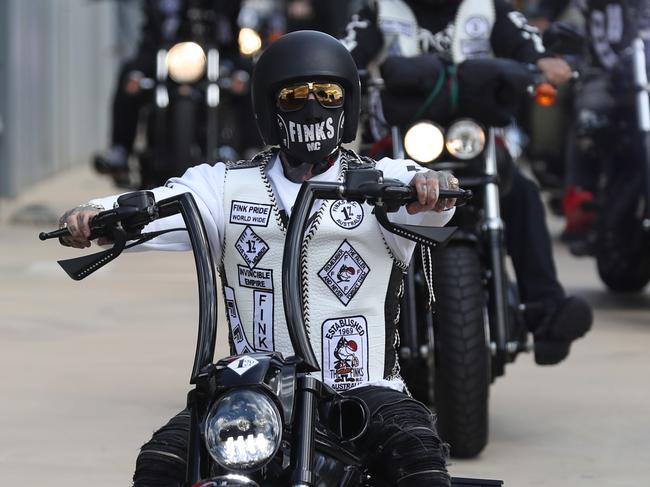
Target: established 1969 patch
pixel 345 352
pixel 344 272
pixel 346 214
pixel 246 213
pixel 251 247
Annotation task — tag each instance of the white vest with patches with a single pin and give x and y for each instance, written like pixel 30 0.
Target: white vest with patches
pixel 470 32
pixel 346 274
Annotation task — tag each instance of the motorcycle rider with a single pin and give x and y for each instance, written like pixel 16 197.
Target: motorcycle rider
pixel 608 34
pixel 306 95
pixel 162 23
pixel 464 29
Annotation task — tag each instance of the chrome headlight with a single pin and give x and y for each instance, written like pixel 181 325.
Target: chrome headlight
pixel 249 41
pixel 465 139
pixel 243 430
pixel 186 62
pixel 424 142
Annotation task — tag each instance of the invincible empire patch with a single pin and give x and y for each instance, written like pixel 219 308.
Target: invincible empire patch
pixel 345 352
pixel 251 247
pixel 346 214
pixel 344 272
pixel 255 278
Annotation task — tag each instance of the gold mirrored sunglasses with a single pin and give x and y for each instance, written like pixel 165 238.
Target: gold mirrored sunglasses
pixel 294 97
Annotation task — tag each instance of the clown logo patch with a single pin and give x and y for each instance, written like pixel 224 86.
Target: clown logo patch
pixel 251 247
pixel 346 214
pixel 345 272
pixel 345 352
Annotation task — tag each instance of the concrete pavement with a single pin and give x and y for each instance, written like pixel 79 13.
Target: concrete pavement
pixel 91 368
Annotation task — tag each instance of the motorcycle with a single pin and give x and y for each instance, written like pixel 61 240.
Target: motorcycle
pixel 462 319
pixel 620 236
pixel 192 109
pixel 261 419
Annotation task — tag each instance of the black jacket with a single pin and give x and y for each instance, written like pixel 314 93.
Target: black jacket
pixel 511 38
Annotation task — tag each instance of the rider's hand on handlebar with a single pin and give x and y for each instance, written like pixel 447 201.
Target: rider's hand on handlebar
pixel 428 185
pixel 77 221
pixel 556 70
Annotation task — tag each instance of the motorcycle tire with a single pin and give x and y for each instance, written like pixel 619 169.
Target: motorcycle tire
pixel 463 360
pixel 622 256
pixel 623 266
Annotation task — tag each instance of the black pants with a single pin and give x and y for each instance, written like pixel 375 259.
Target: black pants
pixel 401 446
pixel 528 242
pixel 126 106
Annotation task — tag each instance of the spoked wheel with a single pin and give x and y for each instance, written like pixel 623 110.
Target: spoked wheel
pixel 463 371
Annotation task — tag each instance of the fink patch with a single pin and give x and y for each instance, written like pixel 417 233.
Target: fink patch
pixel 344 272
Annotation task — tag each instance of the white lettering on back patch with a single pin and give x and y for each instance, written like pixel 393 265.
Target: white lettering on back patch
pixel 345 352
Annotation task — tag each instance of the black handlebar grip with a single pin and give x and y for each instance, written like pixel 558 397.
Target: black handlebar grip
pixel 61 232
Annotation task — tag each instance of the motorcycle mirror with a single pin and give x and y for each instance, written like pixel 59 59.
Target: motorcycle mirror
pixel 563 38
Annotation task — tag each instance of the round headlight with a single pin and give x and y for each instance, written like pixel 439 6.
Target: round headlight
pixel 424 142
pixel 243 430
pixel 186 62
pixel 465 139
pixel 249 41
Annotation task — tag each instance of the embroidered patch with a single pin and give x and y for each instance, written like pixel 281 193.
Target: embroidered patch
pixel 251 247
pixel 242 364
pixel 255 278
pixel 346 214
pixel 237 333
pixel 473 48
pixel 344 272
pixel 246 213
pixel 477 26
pixel 345 352
pixel 263 320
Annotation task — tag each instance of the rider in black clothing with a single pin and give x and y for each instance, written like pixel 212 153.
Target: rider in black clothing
pixel 564 318
pixel 163 21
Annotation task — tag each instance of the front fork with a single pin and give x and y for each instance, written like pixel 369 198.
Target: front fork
pixel 501 347
pixel 643 117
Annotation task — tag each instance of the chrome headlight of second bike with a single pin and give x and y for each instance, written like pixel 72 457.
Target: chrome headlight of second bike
pixel 186 62
pixel 424 141
pixel 243 430
pixel 465 139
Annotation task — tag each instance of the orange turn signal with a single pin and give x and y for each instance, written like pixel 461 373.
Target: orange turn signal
pixel 545 94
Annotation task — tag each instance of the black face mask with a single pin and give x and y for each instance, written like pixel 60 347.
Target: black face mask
pixel 310 134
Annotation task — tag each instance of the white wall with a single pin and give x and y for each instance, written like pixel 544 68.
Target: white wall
pixel 58 64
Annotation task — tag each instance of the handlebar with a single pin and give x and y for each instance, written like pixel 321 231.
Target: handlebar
pixel 135 210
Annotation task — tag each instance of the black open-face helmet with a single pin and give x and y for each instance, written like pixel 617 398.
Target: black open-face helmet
pixel 305 55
